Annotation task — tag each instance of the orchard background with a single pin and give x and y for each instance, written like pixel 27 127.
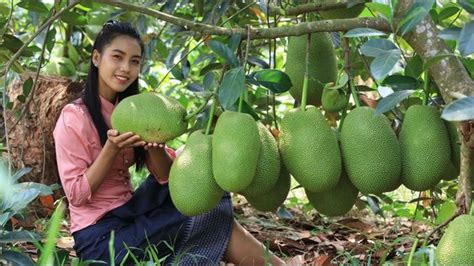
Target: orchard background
pixel 394 54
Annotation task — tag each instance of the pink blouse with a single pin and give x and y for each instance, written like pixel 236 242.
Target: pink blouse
pixel 77 146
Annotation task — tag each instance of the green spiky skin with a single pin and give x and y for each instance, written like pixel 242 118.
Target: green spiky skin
pixel 425 148
pixel 452 171
pixel 310 150
pixel 192 187
pixel 455 246
pixel 268 165
pixel 235 151
pixel 370 151
pixel 154 117
pixel 341 13
pixel 336 201
pixel 275 198
pixel 322 65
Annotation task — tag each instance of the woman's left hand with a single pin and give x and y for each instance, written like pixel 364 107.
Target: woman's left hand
pixel 153 145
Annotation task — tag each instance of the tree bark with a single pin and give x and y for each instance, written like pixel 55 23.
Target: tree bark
pixel 450 76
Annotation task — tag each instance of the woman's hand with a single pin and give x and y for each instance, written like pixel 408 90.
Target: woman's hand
pixel 124 140
pixel 150 146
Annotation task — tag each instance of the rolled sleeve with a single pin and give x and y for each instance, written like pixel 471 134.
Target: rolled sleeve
pixel 152 168
pixel 73 154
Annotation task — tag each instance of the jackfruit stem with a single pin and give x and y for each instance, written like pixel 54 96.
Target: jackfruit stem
pixel 304 97
pixel 426 89
pixel 211 114
pixel 241 101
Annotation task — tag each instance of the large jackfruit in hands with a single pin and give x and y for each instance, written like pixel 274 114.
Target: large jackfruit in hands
pixel 322 65
pixel 370 151
pixel 154 117
pixel 336 201
pixel 455 246
pixel 192 186
pixel 425 148
pixel 235 151
pixel 309 149
pixel 268 165
pixel 271 200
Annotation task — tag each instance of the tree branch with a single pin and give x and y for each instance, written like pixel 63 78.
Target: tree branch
pixel 259 33
pixel 311 7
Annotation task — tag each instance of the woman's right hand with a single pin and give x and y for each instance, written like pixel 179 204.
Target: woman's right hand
pixel 125 140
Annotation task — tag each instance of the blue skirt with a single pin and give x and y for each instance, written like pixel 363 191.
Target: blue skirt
pixel 150 217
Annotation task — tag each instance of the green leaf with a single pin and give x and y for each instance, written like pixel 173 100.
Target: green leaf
pixel 27 86
pixel 74 18
pixel 400 82
pixel 445 212
pixel 468 5
pixel 224 52
pixel 377 47
pixel 234 41
pixel 19 236
pixel 210 81
pixel 363 32
pixel 21 98
pixel 389 102
pixel 466 39
pixel 21 172
pixel 275 80
pixel 51 40
pixel 34 5
pixel 382 9
pixel 210 67
pixel 435 59
pixel 414 16
pixel 451 33
pixel 47 256
pixel 448 12
pixel 231 87
pixel 459 110
pixel 384 63
pixel 414 67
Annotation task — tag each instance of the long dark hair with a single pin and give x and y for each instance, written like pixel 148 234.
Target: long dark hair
pixel 109 32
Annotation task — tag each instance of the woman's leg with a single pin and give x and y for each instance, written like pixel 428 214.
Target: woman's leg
pixel 244 249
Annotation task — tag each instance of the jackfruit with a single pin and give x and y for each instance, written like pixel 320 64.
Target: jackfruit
pixel 455 246
pixel 235 151
pixel 192 186
pixel 370 151
pixel 333 100
pixel 273 199
pixel 425 148
pixel 268 165
pixel 309 149
pixel 336 201
pixel 452 170
pixel 154 117
pixel 340 13
pixel 322 65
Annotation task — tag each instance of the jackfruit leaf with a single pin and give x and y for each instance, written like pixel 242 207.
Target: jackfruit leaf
pixel 19 236
pixel 210 67
pixel 382 65
pixel 51 40
pixel 42 189
pixel 414 16
pixel 73 18
pixel 459 110
pixel 21 98
pixel 33 5
pixel 414 67
pixel 231 87
pixel 224 52
pixel 13 44
pixel 448 12
pixel 283 213
pixel 27 86
pixel 466 39
pixel 363 32
pixel 377 47
pixel 21 172
pixel 257 62
pixel 194 87
pixel 246 108
pixel 275 80
pixel 16 258
pixel 445 212
pixel 435 60
pixel 234 41
pixel 400 82
pixel 20 199
pixel 177 73
pixel 171 56
pixel 451 33
pixel 468 5
pixel 5 217
pixel 389 102
pixel 210 81
pixel 382 9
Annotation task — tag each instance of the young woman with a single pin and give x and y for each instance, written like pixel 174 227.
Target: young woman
pixel 93 162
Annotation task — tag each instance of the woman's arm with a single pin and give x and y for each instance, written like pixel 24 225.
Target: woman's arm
pixel 160 160
pixel 97 172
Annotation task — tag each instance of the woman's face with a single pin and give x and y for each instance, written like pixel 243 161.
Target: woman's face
pixel 118 64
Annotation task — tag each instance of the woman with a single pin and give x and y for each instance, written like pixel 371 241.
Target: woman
pixel 93 162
